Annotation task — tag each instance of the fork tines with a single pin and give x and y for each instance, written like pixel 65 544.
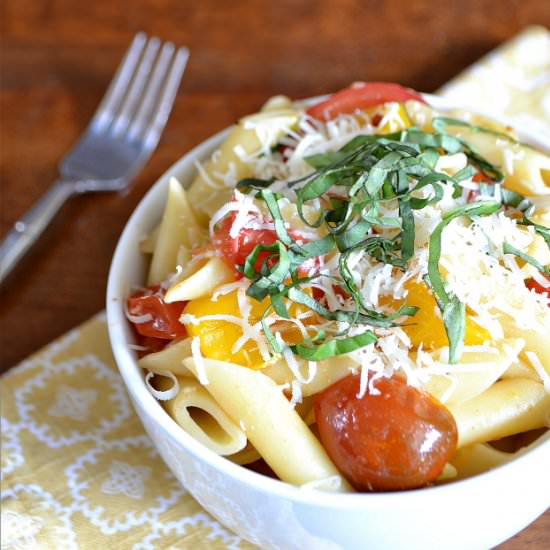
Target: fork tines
pixel 140 96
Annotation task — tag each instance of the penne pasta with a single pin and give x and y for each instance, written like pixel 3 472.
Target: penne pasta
pixel 478 372
pixel 201 283
pixel 521 369
pixel 327 372
pixel 177 228
pixel 539 250
pixel 535 341
pixel 277 103
pixel 147 244
pixel 203 418
pixel 248 455
pixel 216 179
pixel 477 458
pixel 480 457
pixel 271 424
pixel 526 170
pixel 508 407
pixel 170 359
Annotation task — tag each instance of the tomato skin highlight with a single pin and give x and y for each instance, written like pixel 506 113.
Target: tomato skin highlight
pixel 165 323
pixel 361 96
pixel 400 438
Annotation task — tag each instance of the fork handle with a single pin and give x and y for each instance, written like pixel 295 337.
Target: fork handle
pixel 29 227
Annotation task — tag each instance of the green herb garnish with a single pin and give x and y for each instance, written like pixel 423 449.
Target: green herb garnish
pixel 509 249
pixel 452 310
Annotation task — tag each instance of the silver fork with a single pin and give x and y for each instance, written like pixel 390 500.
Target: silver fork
pixel 121 136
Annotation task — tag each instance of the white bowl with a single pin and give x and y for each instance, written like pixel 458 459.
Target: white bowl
pixel 477 513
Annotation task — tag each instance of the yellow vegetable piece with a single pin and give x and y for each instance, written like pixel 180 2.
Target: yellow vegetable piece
pixel 399 120
pixel 217 337
pixel 428 328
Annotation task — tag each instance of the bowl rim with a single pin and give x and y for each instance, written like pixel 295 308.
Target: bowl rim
pixel 134 382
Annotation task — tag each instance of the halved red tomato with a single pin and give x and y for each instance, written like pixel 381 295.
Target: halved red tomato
pixel 395 437
pixel 236 249
pixel 164 318
pixel 361 95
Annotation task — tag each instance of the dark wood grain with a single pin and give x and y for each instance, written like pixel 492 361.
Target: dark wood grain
pixel 57 58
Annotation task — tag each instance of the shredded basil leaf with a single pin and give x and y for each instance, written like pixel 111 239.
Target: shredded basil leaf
pixel 542 230
pixel 439 123
pixel 454 316
pixel 333 347
pixel 509 249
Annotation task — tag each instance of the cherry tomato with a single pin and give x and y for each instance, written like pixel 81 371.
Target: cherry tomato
pixel 537 287
pixel 396 438
pixel 236 249
pixel 361 96
pixel 165 317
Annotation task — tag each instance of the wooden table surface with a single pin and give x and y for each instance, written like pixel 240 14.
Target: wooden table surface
pixel 57 58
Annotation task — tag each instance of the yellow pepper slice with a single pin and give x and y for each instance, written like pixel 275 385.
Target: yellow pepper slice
pixel 400 120
pixel 427 328
pixel 217 337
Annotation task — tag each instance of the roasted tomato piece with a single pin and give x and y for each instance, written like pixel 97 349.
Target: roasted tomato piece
pixel 394 437
pixel 236 249
pixel 361 95
pixel 162 320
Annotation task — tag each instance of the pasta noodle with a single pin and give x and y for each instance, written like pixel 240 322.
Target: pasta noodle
pixel 508 407
pixel 479 371
pixel 203 418
pixel 201 283
pixel 477 458
pixel 209 191
pixel 480 457
pixel 269 421
pixel 536 342
pixel 176 230
pixel 327 372
pixel 527 171
pixel 248 455
pixel 147 245
pixel 169 359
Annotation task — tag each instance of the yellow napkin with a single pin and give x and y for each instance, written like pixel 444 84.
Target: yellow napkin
pixel 513 80
pixel 78 470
